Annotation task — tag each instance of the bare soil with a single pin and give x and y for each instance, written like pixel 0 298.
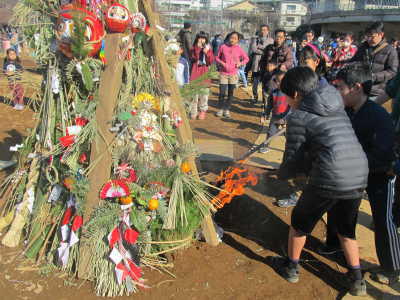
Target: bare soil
pixel 236 269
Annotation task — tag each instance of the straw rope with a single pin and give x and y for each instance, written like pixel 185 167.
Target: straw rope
pixel 13 236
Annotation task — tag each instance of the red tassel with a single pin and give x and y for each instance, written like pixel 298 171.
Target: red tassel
pixel 67 140
pixel 77 223
pixel 67 216
pixel 131 235
pixel 114 237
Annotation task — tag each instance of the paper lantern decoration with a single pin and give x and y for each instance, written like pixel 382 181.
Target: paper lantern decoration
pixel 138 22
pixel 117 18
pixel 94 33
pixel 114 189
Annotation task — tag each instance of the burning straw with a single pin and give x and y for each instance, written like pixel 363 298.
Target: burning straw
pixel 232 182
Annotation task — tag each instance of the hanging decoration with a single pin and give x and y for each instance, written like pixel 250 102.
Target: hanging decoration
pixel 138 22
pixel 117 18
pixel 67 29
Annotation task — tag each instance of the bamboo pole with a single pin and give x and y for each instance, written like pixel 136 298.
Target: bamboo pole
pixel 184 132
pixel 110 84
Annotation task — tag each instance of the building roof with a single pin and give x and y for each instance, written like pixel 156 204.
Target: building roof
pixel 250 6
pixel 242 5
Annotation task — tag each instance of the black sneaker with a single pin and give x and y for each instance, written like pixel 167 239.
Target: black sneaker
pixel 284 267
pixel 329 250
pixel 357 287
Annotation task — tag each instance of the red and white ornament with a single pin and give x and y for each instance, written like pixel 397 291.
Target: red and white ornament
pixel 69 231
pixel 122 240
pixel 114 189
pixel 65 27
pixel 138 22
pixel 117 18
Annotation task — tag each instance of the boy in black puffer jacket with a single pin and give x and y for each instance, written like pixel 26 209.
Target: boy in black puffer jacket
pixel 321 143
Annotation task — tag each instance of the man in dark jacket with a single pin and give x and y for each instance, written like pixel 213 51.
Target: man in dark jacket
pixel 379 56
pixel 185 39
pixel 375 131
pixel 276 57
pixel 321 143
pixel 257 47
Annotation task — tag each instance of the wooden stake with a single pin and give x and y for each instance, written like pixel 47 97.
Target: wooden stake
pixel 184 132
pixel 110 84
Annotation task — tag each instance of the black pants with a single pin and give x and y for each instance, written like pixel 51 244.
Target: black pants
pixel 256 82
pixel 225 102
pixel 314 203
pixel 387 240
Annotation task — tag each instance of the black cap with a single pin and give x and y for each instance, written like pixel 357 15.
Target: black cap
pixel 187 25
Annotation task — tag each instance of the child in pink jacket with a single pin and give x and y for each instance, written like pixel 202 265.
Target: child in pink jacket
pixel 230 58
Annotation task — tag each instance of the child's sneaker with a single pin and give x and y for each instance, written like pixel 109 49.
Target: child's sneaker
pixel 202 115
pixel 264 149
pixel 288 202
pixel 219 113
pixel 19 107
pixel 227 114
pixel 357 287
pixel 284 267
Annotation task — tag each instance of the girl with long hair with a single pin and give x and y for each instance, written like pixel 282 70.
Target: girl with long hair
pixel 201 56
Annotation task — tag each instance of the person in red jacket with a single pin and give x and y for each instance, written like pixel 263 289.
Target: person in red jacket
pixel 201 57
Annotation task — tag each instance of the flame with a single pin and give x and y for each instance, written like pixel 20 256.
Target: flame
pixel 234 181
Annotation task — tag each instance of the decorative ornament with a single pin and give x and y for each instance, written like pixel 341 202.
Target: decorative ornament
pixel 55 82
pixel 69 182
pixel 185 167
pixel 80 121
pixel 73 130
pixel 126 173
pixel 145 101
pixel 102 54
pixel 65 30
pixel 126 200
pixel 153 204
pixel 138 22
pixel 177 120
pixel 117 18
pixel 114 189
pixel 125 254
pixel 83 158
pixel 69 231
pixel 67 140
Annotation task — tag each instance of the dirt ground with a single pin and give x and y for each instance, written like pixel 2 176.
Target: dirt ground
pixel 236 269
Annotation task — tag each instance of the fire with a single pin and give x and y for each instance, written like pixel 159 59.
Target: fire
pixel 233 182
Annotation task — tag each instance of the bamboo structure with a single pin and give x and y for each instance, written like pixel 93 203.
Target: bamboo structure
pixel 184 132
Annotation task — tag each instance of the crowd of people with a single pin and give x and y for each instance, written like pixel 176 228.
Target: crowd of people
pixel 339 139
